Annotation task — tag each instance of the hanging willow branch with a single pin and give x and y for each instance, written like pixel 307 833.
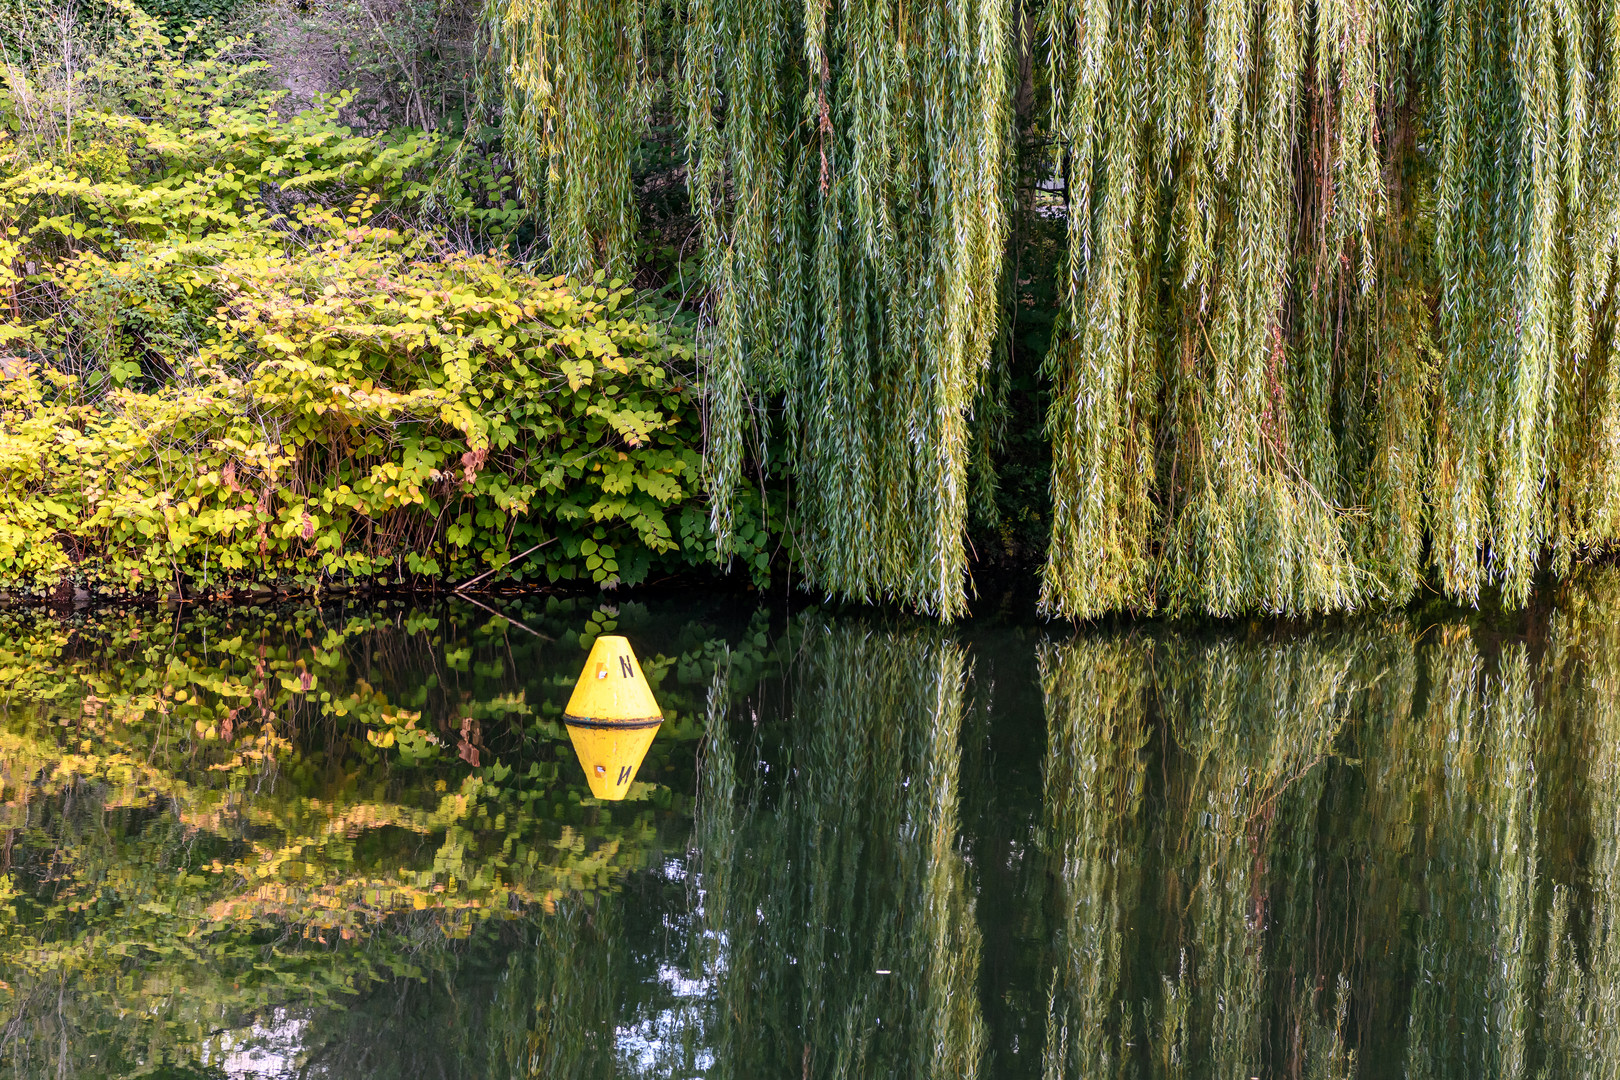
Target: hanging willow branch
pixel 848 169
pixel 574 100
pixel 1298 339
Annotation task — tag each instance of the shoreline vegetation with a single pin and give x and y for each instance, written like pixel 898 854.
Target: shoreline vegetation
pixel 1314 316
pixel 251 370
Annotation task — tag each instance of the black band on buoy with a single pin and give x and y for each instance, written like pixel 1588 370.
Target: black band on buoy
pixel 585 722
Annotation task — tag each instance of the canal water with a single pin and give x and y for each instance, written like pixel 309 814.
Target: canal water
pixel 353 841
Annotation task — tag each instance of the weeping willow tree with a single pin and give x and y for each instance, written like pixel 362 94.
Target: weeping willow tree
pixel 573 89
pixel 1340 277
pixel 848 170
pixel 1336 309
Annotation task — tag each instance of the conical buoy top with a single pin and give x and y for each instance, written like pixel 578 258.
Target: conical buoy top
pixel 611 717
pixel 612 689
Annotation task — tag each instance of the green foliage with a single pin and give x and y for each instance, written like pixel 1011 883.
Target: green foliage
pixel 227 369
pixel 848 171
pixel 201 828
pixel 1334 300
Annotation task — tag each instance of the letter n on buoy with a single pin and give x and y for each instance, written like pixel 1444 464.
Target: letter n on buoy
pixel 612 717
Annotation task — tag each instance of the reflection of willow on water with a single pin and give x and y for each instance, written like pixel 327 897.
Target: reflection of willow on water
pixel 1581 987
pixel 1476 817
pixel 1336 856
pixel 1251 728
pixel 1476 889
pixel 1093 781
pixel 849 868
pixel 1226 852
pixel 1494 813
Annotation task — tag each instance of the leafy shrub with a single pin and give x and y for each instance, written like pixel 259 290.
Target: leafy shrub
pixel 361 407
pixel 231 359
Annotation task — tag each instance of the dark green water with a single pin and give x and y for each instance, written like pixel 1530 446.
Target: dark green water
pixel 353 842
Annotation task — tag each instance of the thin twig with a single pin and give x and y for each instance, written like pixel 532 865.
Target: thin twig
pixel 503 566
pixel 508 618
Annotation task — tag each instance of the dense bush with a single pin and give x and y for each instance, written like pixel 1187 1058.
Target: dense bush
pixel 233 357
pixel 357 408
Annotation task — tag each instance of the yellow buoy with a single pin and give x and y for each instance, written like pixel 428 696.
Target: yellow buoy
pixel 611 717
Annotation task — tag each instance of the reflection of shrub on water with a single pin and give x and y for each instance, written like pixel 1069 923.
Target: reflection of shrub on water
pixel 234 810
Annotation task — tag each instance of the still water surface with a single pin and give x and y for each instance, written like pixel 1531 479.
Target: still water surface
pixel 329 841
